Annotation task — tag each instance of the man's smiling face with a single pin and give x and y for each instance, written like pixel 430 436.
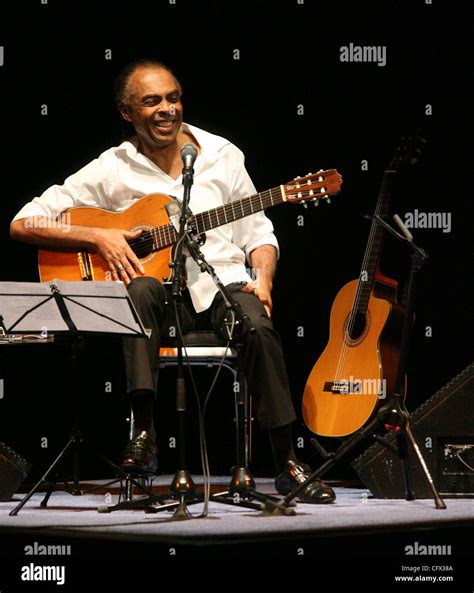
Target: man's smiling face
pixel 152 104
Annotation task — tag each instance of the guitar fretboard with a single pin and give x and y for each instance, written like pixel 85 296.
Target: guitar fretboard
pixel 374 245
pixel 166 235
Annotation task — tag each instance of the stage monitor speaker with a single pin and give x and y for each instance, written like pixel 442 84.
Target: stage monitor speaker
pixel 13 471
pixel 443 428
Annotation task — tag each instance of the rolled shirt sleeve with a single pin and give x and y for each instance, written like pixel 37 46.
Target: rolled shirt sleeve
pixel 255 230
pixel 90 186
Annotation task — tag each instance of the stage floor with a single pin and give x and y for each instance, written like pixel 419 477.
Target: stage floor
pixel 345 538
pixel 355 510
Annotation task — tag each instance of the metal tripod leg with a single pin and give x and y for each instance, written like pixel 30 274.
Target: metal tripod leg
pixel 439 502
pixel 76 439
pixel 403 456
pixel 393 409
pixel 129 503
pixel 49 471
pixel 241 491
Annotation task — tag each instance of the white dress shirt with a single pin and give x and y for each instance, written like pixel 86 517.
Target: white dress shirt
pixel 121 175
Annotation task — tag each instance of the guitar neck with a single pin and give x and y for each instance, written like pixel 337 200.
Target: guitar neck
pixel 166 235
pixel 374 245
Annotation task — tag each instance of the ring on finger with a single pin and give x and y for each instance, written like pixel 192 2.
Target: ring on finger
pixel 120 268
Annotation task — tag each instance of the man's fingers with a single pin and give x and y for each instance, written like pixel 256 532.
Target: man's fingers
pixel 248 288
pixel 115 275
pixel 268 307
pixel 137 265
pixel 121 272
pixel 133 259
pixel 131 234
pixel 262 297
pixel 133 264
pixel 127 268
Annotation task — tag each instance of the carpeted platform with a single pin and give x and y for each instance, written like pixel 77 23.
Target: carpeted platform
pixel 354 511
pixel 356 544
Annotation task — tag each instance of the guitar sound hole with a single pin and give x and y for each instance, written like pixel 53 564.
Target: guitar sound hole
pixel 142 247
pixel 356 326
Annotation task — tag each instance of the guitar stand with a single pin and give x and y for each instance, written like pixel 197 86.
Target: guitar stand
pixel 393 416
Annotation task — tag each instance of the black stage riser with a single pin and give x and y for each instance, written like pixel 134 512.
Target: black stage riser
pixel 443 427
pixel 13 471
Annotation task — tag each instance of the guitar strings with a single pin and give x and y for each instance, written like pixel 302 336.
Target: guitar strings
pixel 347 331
pixel 141 245
pixel 345 358
pixel 160 232
pixel 349 353
pixel 163 236
pixel 156 238
pixel 346 352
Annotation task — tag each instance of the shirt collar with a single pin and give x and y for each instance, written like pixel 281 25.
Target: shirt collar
pixel 210 144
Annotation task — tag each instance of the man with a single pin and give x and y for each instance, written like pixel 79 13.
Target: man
pixel 149 98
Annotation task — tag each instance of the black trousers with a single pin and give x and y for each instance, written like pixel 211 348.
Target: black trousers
pixel 264 366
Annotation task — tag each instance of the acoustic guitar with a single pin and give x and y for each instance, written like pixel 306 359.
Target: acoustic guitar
pixel 358 367
pixel 157 215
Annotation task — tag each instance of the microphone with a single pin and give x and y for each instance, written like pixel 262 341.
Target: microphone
pixel 188 154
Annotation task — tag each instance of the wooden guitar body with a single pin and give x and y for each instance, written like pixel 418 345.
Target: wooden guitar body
pixel 152 214
pixel 146 213
pixel 365 365
pixel 359 366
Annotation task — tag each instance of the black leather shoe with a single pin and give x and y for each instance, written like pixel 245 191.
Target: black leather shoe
pixel 140 454
pixel 295 474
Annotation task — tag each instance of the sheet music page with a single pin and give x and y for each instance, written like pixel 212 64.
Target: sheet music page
pixel 104 298
pixel 16 298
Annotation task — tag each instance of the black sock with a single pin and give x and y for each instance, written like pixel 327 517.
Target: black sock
pixel 142 402
pixel 282 446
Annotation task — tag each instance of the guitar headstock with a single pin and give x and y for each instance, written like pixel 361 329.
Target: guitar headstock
pixel 312 187
pixel 408 152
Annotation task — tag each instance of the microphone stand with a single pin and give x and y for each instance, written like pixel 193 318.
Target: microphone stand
pixel 182 486
pixel 242 485
pixel 241 491
pixel 394 414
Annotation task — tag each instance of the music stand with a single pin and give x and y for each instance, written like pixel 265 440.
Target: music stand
pixel 69 310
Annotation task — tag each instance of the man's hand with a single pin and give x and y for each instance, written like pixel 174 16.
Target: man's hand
pixel 263 292
pixel 263 260
pixel 112 246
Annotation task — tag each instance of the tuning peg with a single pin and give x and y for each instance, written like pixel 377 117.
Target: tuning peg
pixel 315 202
pixel 328 199
pixel 305 205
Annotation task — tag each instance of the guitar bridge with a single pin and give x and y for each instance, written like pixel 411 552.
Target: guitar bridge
pixel 336 386
pixel 85 265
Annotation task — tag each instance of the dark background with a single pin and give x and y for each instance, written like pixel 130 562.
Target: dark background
pixel 289 55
